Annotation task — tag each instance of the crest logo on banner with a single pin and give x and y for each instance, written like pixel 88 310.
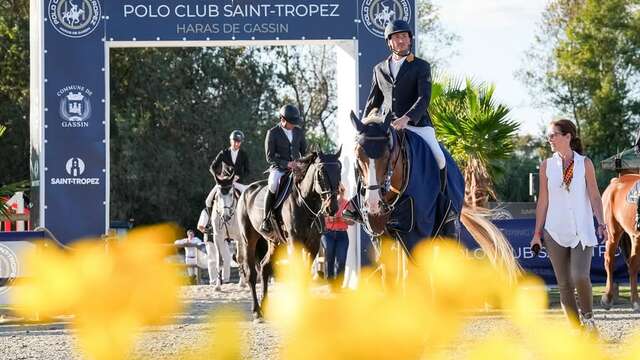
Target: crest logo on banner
pixel 8 268
pixel 376 14
pixel 75 167
pixel 75 106
pixel 74 18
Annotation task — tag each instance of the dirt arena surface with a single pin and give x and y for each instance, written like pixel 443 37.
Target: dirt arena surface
pixel 189 329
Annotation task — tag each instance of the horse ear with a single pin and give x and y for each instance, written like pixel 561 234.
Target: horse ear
pixel 355 121
pixel 339 152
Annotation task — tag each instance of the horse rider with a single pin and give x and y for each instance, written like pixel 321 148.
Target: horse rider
pixel 234 157
pixel 401 87
pixel 284 144
pixel 636 147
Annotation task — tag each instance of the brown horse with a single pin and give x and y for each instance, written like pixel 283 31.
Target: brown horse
pixel 384 168
pixel 314 195
pixel 619 215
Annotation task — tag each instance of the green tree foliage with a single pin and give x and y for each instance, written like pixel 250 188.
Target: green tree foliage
pixel 172 110
pixel 435 42
pixel 307 77
pixel 586 63
pixel 513 184
pixel 476 130
pixel 14 90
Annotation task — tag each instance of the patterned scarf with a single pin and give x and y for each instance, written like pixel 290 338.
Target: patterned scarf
pixel 567 175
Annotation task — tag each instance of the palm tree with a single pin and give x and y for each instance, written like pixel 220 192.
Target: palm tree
pixel 476 130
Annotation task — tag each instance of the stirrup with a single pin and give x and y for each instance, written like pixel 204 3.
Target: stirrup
pixel 266 225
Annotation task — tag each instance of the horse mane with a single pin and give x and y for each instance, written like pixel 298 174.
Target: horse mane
pixel 374 117
pixel 303 166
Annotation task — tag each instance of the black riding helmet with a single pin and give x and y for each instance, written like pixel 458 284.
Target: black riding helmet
pixel 236 135
pixel 394 27
pixel 291 114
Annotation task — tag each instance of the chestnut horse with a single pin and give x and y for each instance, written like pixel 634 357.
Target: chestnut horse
pixel 619 215
pixel 384 165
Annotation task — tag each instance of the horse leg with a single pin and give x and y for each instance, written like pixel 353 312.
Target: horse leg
pixel 266 270
pixel 253 273
pixel 240 259
pixel 615 232
pixel 212 264
pixel 634 266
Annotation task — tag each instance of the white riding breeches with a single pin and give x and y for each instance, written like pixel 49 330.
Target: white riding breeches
pixel 274 179
pixel 428 134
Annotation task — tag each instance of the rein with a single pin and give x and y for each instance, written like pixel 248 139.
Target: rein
pixel 317 220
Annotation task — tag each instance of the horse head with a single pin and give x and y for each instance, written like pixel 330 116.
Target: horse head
pixel 320 173
pixel 225 197
pixel 375 142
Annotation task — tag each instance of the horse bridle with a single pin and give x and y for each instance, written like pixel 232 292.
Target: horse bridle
pixel 391 164
pixel 326 200
pixel 231 208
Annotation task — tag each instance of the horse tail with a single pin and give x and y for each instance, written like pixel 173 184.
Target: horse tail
pixel 491 239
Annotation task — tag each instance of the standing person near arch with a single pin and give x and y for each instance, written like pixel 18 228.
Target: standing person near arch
pixel 284 144
pixel 569 199
pixel 401 88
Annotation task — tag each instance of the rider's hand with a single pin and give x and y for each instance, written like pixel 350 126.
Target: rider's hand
pixel 236 178
pixel 602 233
pixel 400 123
pixel 291 165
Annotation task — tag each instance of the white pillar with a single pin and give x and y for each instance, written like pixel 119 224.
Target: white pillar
pixel 347 98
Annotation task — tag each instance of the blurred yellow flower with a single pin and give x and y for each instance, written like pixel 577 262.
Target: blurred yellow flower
pixel 112 291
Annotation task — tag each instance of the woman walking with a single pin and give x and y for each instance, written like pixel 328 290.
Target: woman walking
pixel 569 199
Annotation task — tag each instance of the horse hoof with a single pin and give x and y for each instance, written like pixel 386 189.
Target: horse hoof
pixel 606 304
pixel 636 306
pixel 217 288
pixel 257 318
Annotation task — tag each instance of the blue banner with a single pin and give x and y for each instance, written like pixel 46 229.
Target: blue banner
pixel 75 147
pixel 149 20
pixel 77 35
pixel 520 231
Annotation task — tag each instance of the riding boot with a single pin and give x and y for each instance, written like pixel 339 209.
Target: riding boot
pixel 268 204
pixel 443 180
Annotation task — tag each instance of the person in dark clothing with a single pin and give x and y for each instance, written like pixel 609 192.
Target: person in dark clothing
pixel 401 88
pixel 284 144
pixel 234 157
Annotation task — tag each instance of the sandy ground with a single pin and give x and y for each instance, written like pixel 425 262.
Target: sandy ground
pixel 190 328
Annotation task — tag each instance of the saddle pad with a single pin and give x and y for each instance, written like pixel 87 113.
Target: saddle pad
pixel 634 193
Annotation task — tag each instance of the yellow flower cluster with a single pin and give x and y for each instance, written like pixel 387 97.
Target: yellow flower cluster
pixel 112 290
pixel 422 315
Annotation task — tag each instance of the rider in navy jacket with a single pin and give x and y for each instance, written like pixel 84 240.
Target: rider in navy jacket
pixel 401 88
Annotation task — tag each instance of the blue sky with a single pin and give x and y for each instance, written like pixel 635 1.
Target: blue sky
pixel 493 36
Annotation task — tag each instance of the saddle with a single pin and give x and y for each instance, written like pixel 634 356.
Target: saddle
pixel 282 193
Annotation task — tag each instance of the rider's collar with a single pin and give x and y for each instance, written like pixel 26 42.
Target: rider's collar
pixel 408 58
